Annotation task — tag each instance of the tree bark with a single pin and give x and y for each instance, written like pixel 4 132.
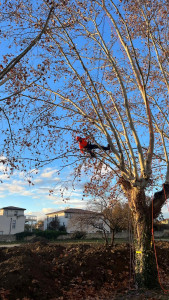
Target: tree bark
pixel 112 238
pixel 145 263
pixel 106 239
pixel 159 200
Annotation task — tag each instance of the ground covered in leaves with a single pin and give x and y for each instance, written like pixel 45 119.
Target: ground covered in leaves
pixel 44 271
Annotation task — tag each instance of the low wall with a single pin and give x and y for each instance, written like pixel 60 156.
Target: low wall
pixel 100 235
pixel 119 235
pixel 29 238
pixel 97 235
pixel 7 238
pixel 166 233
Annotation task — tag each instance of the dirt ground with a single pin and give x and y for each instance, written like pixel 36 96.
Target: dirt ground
pixel 44 271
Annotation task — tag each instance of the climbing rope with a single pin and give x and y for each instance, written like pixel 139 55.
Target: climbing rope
pixel 132 260
pixel 153 241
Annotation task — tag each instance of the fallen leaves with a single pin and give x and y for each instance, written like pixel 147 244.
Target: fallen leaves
pixel 51 271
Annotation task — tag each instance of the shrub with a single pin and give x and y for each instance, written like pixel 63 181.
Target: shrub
pixel 62 228
pixel 50 234
pixel 47 234
pixel 78 235
pixel 21 235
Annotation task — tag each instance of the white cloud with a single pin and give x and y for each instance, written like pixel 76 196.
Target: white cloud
pixel 4 177
pixel 36 197
pixel 2 195
pixel 39 214
pixel 48 173
pixel 16 189
pixel 26 193
pixel 18 182
pixel 38 181
pixel 47 210
pixel 72 202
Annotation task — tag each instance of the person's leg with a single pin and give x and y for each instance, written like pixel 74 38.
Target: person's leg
pixel 88 149
pixel 105 148
pixel 93 146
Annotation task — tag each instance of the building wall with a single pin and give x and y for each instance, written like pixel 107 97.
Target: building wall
pixel 12 222
pixel 69 220
pixel 12 213
pixel 166 222
pixel 78 223
pixel 62 220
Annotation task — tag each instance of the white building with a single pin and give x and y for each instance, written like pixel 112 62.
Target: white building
pixel 77 220
pixel 12 220
pixel 30 221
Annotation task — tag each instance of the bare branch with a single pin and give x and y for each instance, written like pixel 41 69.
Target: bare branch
pixel 14 61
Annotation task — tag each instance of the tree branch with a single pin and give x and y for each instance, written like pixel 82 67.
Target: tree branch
pixel 158 200
pixel 14 61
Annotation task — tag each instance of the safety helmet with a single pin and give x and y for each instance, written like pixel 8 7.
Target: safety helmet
pixel 77 138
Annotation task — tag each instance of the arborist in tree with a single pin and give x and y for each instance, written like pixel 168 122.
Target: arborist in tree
pixel 84 145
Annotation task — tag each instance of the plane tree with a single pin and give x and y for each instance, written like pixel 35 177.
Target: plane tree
pixel 105 75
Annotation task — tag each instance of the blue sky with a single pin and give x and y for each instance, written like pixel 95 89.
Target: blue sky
pixel 36 199
pixel 16 191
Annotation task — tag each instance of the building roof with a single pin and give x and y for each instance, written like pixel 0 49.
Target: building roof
pixel 13 208
pixel 72 210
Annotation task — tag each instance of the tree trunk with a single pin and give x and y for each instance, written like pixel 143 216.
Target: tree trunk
pixel 145 263
pixel 106 239
pixel 112 238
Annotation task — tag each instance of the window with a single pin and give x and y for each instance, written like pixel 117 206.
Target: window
pixel 15 213
pixel 13 224
pixel 67 215
pixel 100 225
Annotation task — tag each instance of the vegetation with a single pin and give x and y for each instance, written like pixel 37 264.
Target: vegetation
pixel 99 69
pixel 47 234
pixel 78 235
pixel 22 235
pixel 54 224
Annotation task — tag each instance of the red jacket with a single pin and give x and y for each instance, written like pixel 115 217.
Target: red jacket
pixel 83 143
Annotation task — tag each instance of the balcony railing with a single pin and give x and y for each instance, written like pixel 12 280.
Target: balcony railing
pixel 30 218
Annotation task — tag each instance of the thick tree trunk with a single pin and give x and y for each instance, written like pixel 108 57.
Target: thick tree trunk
pixel 145 263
